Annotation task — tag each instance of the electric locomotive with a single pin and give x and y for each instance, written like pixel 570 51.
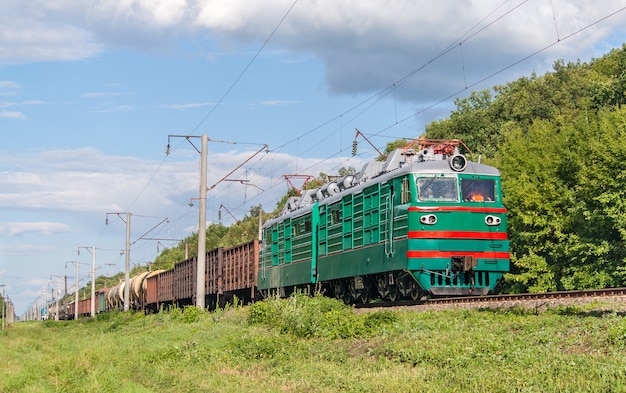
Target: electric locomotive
pixel 425 222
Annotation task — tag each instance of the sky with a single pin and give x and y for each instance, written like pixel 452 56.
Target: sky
pixel 92 93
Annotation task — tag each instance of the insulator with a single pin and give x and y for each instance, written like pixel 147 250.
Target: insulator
pixel 354 147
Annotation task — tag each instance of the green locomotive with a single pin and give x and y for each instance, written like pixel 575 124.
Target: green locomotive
pixel 425 222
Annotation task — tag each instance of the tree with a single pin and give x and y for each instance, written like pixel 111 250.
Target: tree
pixel 474 122
pixel 391 147
pixel 536 199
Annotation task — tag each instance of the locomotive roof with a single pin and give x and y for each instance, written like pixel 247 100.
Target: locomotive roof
pixel 399 163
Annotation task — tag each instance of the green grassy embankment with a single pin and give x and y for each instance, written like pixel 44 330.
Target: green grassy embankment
pixel 319 345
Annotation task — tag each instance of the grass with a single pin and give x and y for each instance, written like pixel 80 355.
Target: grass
pixel 316 344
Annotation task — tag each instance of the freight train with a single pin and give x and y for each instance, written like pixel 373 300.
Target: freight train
pixel 425 222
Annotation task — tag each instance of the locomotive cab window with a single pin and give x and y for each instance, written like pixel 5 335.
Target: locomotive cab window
pixel 336 216
pixel 437 189
pixel 406 191
pixel 478 190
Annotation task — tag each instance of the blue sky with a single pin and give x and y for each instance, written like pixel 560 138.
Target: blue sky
pixel 90 91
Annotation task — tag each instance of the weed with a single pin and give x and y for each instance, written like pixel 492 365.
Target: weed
pixel 191 314
pixel 317 316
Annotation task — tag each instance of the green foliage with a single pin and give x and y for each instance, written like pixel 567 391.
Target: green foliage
pixel 318 316
pixel 534 275
pixel 391 147
pixel 617 334
pixel 475 122
pixel 116 320
pixel 191 314
pixel 559 141
pixel 564 187
pixel 187 314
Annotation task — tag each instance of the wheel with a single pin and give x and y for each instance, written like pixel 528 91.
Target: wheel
pixel 403 286
pixel 347 298
pixel 365 294
pixel 341 291
pixel 381 285
pixel 407 286
pixel 393 294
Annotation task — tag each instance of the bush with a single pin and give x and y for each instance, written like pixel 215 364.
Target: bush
pixel 191 314
pixel 316 316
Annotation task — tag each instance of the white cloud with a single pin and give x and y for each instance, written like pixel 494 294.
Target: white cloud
pixel 113 109
pixel 192 105
pixel 8 85
pixel 84 180
pixel 24 39
pixel 8 88
pixel 6 114
pixel 365 46
pixel 104 94
pixel 277 102
pixel 42 227
pixel 11 115
pixel 156 13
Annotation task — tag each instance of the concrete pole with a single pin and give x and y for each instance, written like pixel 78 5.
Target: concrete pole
pixel 3 307
pixel 65 299
pixel 260 225
pixel 127 266
pixel 93 281
pixel 76 297
pixel 45 305
pixel 201 260
pixel 56 314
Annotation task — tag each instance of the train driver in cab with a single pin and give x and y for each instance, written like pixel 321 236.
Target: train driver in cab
pixel 478 190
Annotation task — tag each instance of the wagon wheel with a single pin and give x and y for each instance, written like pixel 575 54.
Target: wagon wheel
pixel 365 294
pixel 381 285
pixel 415 292
pixel 341 292
pixel 393 294
pixel 354 293
pixel 402 286
pixel 411 288
pixel 347 298
pixel 337 290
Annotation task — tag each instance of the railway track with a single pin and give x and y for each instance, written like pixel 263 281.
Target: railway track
pixel 509 300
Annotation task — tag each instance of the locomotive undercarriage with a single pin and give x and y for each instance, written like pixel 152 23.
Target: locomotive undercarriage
pixel 389 286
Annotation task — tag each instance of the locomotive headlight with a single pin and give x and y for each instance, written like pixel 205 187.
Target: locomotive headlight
pixel 429 219
pixel 492 220
pixel 457 162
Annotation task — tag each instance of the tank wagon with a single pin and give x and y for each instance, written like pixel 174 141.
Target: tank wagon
pixel 425 222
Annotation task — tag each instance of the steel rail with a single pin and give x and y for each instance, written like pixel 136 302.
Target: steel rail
pixel 589 293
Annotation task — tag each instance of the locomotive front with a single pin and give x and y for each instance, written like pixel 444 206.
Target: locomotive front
pixel 457 239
